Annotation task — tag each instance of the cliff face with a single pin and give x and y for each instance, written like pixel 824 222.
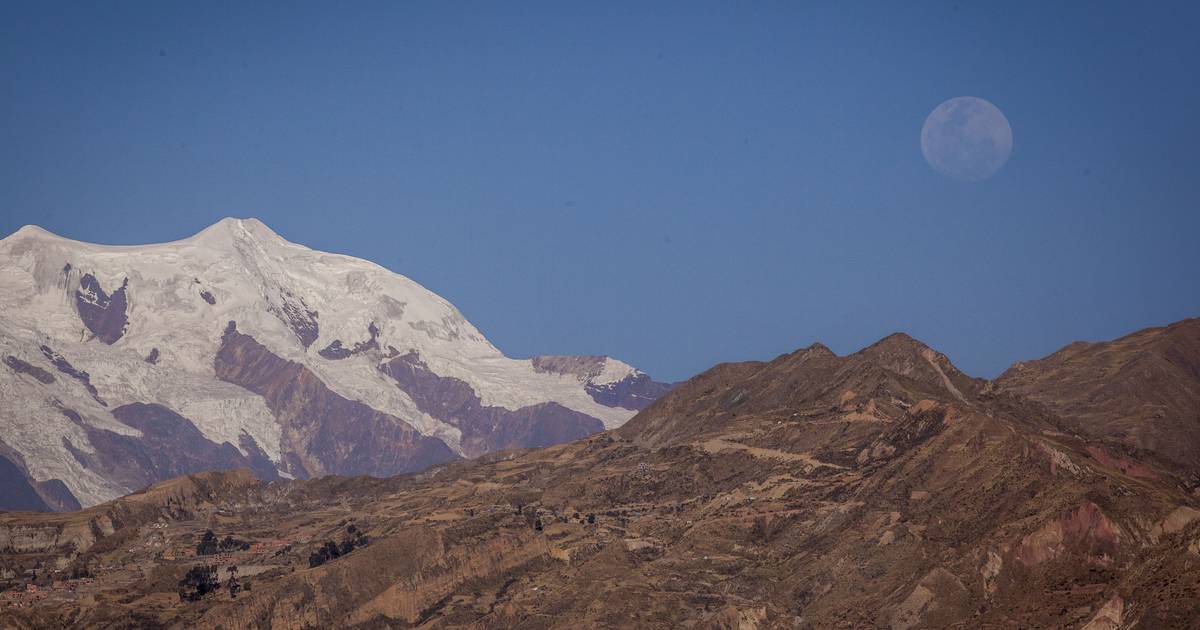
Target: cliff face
pixel 39 537
pixel 485 428
pixel 325 433
pixel 69 534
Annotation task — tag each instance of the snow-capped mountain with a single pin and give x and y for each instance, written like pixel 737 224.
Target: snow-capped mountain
pixel 129 364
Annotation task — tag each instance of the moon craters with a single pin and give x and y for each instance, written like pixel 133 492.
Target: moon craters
pixel 966 138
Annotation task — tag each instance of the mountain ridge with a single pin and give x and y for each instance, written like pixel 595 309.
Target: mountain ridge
pixel 1141 390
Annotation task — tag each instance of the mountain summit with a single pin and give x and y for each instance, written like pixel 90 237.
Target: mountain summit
pixel 878 383
pixel 119 360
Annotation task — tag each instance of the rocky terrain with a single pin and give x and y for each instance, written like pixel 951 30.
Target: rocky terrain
pixel 234 348
pixel 883 489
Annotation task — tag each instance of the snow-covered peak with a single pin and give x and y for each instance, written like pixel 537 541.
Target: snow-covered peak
pixel 32 231
pixel 146 322
pixel 277 290
pixel 230 233
pixel 246 224
pixel 31 234
pixel 222 236
pixel 613 371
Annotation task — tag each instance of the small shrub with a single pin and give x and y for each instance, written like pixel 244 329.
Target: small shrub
pixel 199 581
pixel 759 531
pixel 331 550
pixel 234 584
pixel 229 543
pixel 208 544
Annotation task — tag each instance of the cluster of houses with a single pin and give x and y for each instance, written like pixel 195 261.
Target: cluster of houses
pixel 30 594
pixel 269 546
pixel 33 593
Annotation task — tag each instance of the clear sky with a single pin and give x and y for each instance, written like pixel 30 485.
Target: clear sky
pixel 672 184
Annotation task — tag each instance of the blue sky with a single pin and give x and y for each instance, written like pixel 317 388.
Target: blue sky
pixel 672 184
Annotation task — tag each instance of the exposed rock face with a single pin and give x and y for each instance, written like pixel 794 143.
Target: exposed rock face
pixel 76 532
pixel 16 490
pixel 636 391
pixel 20 491
pixel 1085 531
pixel 583 367
pixel 1109 617
pixel 324 432
pixel 877 490
pixel 485 428
pixel 18 538
pixel 1142 390
pixel 334 351
pixel 57 495
pixel 938 600
pixel 103 314
pixel 303 321
pixel 608 381
pixel 175 447
pixel 21 367
pixel 62 365
pixel 170 446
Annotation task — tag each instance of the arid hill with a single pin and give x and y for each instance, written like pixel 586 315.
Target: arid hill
pixel 880 489
pixel 1142 390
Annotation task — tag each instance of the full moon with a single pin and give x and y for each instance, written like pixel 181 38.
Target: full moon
pixel 966 138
